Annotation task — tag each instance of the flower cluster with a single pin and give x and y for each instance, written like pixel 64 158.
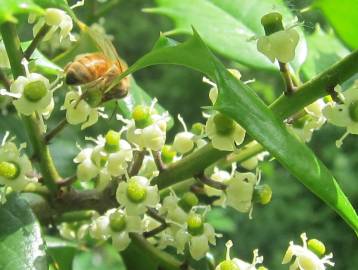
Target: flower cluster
pixel 15 168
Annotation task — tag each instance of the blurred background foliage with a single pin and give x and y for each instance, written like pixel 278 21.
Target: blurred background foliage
pixel 293 209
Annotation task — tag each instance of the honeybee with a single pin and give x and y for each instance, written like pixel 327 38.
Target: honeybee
pixel 96 71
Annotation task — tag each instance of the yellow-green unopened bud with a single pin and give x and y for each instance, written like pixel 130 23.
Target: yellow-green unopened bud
pixel 353 111
pixel 262 268
pixel 197 128
pixel 223 124
pixel 187 201
pixel 34 91
pixel 263 194
pixel 141 116
pixel 168 154
pixel 272 22
pixel 228 265
pixel 136 192
pixel 9 170
pixel 316 247
pixel 327 99
pixel 93 98
pixel 112 141
pixel 117 222
pixel 195 224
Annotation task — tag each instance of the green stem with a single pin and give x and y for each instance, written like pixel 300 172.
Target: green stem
pixel 164 259
pixel 35 42
pixel 75 216
pixel 284 106
pixel 42 152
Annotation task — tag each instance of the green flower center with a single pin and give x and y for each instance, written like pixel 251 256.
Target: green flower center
pixel 224 125
pixel 197 128
pixel 353 111
pixel 228 265
pixel 262 194
pixel 187 201
pixel 112 141
pixel 93 98
pixel 136 192
pixel 195 224
pixel 141 116
pixel 168 154
pixel 9 170
pixel 272 22
pixel 117 222
pixel 35 90
pixel 316 247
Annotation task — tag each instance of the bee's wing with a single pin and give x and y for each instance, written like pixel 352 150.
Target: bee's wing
pixel 103 43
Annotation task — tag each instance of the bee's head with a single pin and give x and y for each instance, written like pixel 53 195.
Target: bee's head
pixel 72 78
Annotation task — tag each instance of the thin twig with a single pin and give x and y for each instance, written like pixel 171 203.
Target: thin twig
pixel 67 181
pixel 137 164
pixel 155 231
pixel 158 161
pixel 52 133
pixel 155 215
pixel 210 182
pixel 290 86
pixel 35 42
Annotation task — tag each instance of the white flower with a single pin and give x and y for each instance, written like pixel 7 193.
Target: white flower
pixel 197 234
pixel 116 224
pixel 240 190
pixel 56 19
pixel 252 162
pixel 33 92
pixel 14 167
pixel 148 168
pixel 280 45
pixel 224 132
pixel 222 177
pixel 345 114
pixel 137 194
pixel 238 264
pixel 305 259
pixel 78 111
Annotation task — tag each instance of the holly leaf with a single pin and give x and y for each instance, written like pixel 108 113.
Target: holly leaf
pixel 324 51
pixel 342 15
pixel 229 27
pixel 21 243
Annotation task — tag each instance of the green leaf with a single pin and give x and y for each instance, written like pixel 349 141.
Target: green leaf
pixel 324 50
pixel 21 244
pixel 342 14
pixel 242 104
pixel 9 9
pixel 226 26
pixel 61 252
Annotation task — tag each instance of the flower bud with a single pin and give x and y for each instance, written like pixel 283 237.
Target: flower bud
pixel 136 192
pixel 53 16
pixel 117 222
pixel 262 194
pixel 183 142
pixel 195 224
pixel 141 116
pixel 187 201
pixel 228 265
pixel 317 247
pixel 112 141
pixel 35 90
pixel 9 170
pixel 224 125
pixel 168 154
pixel 353 111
